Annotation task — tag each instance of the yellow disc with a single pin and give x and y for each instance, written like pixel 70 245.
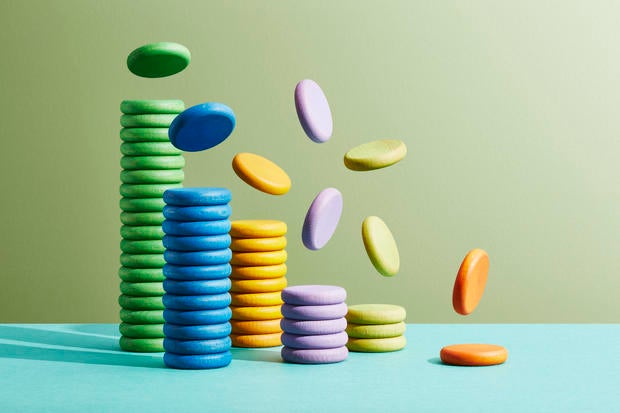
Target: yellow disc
pixel 261 173
pixel 257 299
pixel 252 259
pixel 256 340
pixel 258 273
pixel 256 326
pixel 267 285
pixel 257 228
pixel 258 244
pixel 256 313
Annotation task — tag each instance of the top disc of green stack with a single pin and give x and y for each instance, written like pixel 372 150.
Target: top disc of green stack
pixel 138 107
pixel 158 59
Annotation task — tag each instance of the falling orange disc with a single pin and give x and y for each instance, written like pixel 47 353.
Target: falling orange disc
pixel 470 281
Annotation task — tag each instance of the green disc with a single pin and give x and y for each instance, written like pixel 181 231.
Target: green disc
pixel 138 107
pixel 145 135
pixel 376 345
pixel 158 59
pixel 141 330
pixel 152 162
pixel 156 176
pixel 158 120
pixel 143 260
pixel 142 345
pixel 147 246
pixel 380 246
pixel 130 302
pixel 142 231
pixel 375 314
pixel 142 204
pixel 138 275
pixel 376 331
pixel 148 148
pixel 146 191
pixel 375 155
pixel 142 317
pixel 148 289
pixel 142 218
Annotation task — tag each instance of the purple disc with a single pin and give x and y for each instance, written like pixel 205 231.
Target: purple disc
pixel 320 341
pixel 313 111
pixel 314 294
pixel 314 312
pixel 322 219
pixel 313 327
pixel 314 356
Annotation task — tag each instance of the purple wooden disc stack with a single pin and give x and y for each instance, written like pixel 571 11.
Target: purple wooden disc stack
pixel 314 324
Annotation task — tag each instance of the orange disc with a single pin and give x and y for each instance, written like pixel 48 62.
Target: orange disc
pixel 256 340
pixel 256 326
pixel 259 272
pixel 256 313
pixel 473 354
pixel 470 281
pixel 257 299
pixel 258 286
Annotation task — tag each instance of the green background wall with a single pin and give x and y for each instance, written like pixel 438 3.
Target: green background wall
pixel 509 111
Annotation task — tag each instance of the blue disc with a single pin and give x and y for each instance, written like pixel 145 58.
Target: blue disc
pixel 190 273
pixel 213 257
pixel 197 196
pixel 218 286
pixel 198 361
pixel 197 332
pixel 218 316
pixel 197 213
pixel 189 347
pixel 202 126
pixel 196 302
pixel 185 228
pixel 198 243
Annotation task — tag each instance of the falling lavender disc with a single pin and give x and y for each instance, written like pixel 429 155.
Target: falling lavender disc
pixel 313 111
pixel 322 219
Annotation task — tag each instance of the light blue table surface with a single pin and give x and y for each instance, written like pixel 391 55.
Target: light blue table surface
pixel 551 368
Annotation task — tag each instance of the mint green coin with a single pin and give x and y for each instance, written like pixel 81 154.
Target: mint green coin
pixel 143 260
pixel 146 191
pixel 148 289
pixel 139 275
pixel 142 317
pixel 140 303
pixel 142 218
pixel 158 59
pixel 142 345
pixel 157 176
pixel 148 148
pixel 142 204
pixel 145 135
pixel 137 107
pixel 142 231
pixel 152 162
pixel 149 246
pixel 147 120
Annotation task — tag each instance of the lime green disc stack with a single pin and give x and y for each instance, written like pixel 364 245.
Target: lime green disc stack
pixel 150 165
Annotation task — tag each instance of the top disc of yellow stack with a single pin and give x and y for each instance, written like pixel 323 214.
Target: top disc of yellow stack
pixel 257 228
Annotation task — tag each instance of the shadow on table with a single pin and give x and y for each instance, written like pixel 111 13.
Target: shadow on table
pixel 88 348
pixel 256 354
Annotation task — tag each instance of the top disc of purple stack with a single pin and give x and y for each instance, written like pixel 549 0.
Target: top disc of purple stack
pixel 314 294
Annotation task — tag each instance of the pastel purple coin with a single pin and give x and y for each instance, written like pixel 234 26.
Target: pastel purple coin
pixel 322 219
pixel 320 341
pixel 313 111
pixel 314 356
pixel 313 327
pixel 314 294
pixel 314 312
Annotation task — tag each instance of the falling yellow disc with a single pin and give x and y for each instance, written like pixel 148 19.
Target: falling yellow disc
pixel 261 173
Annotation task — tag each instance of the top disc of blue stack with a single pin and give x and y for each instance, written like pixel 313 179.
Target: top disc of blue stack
pixel 202 127
pixel 197 196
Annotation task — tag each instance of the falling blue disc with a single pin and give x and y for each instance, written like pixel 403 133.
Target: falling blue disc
pixel 202 127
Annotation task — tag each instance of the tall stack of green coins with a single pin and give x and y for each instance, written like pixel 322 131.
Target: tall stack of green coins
pixel 150 165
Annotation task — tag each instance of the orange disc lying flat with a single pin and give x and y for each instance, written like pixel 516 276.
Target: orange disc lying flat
pixel 261 173
pixel 473 354
pixel 470 281
pixel 267 285
pixel 256 326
